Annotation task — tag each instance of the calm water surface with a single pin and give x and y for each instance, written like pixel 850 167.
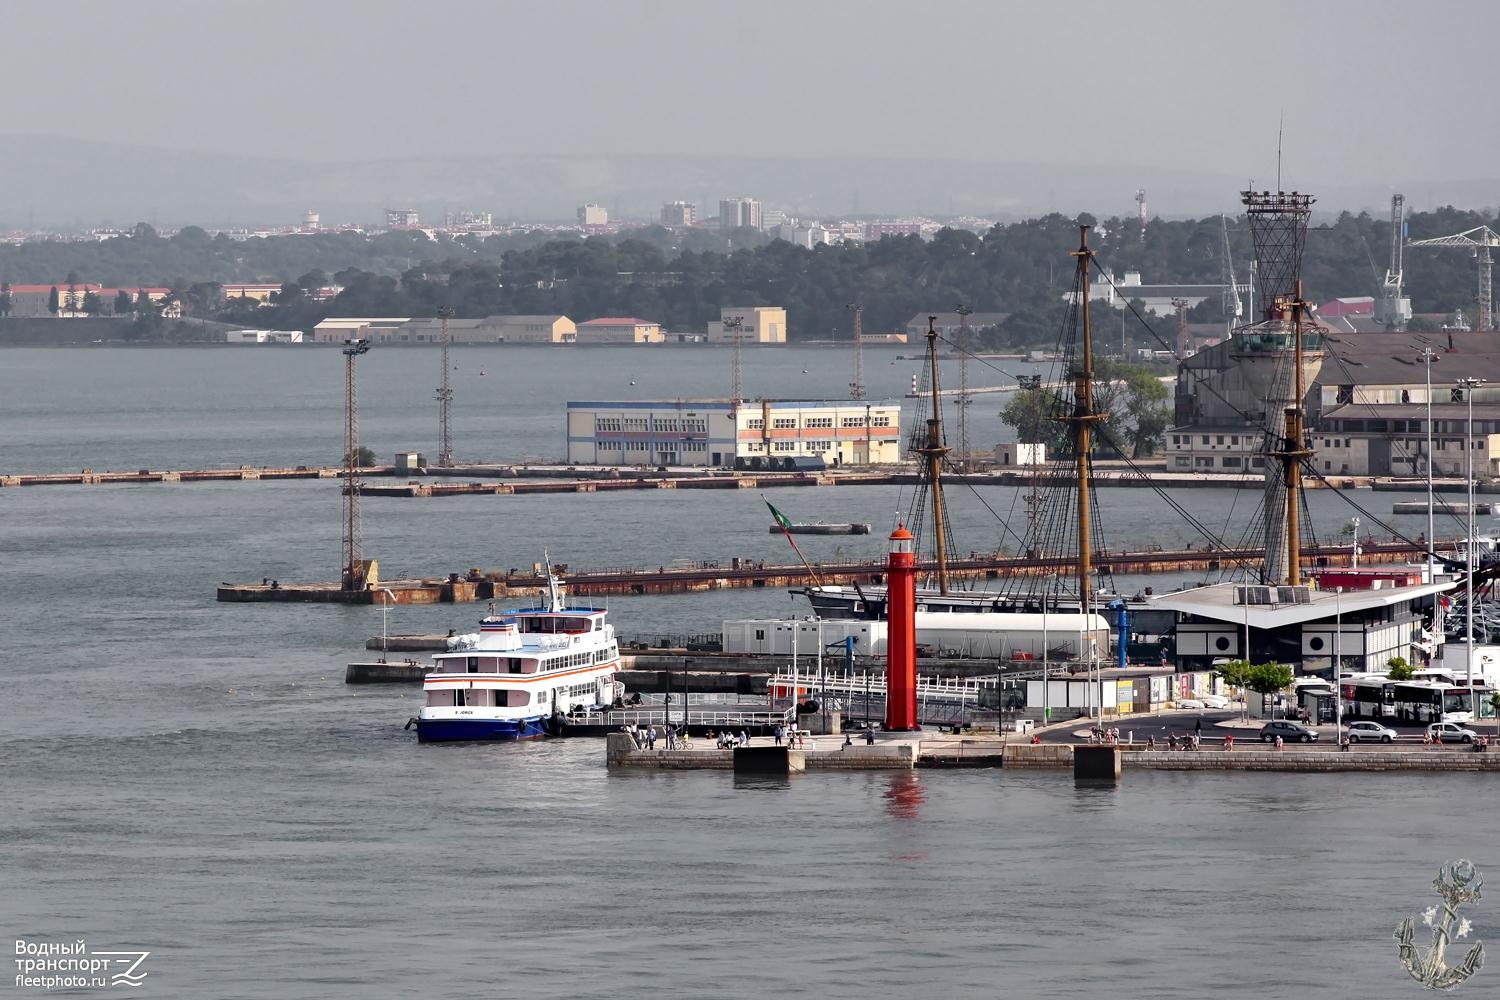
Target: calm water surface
pixel 195 779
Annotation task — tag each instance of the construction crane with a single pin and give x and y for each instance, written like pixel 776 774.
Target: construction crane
pixel 1478 242
pixel 1393 310
pixel 1231 294
pixel 353 573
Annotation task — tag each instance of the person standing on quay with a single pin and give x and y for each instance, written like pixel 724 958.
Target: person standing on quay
pixel 779 733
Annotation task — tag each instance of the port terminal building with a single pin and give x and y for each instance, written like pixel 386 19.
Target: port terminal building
pixel 725 433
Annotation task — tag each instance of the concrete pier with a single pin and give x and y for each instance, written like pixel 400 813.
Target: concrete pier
pixel 382 672
pixel 891 751
pixel 1062 755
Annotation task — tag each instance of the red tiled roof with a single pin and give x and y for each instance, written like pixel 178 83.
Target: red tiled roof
pixel 618 321
pixel 61 286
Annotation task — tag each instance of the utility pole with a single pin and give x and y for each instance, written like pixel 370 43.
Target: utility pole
pixel 857 387
pixel 445 398
pixel 352 576
pixel 1468 385
pixel 964 312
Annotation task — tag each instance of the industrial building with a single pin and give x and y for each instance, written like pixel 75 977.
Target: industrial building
pixel 620 330
pixel 1367 407
pixel 263 336
pixel 427 330
pixel 754 325
pixel 592 215
pixel 723 433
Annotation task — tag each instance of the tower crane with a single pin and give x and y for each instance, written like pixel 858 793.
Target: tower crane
pixel 1478 241
pixel 1393 310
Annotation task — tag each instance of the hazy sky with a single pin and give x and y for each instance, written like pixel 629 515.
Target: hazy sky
pixel 1373 91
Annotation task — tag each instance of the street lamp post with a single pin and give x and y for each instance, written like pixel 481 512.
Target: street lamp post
pixel 384 607
pixel 1427 357
pixel 1046 694
pixel 1338 665
pixel 1469 385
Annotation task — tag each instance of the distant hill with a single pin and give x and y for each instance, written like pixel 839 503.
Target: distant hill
pixel 53 181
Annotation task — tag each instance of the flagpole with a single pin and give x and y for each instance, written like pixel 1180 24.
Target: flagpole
pixel 781 523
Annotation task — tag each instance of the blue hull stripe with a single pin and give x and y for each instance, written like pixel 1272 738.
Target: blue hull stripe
pixel 449 730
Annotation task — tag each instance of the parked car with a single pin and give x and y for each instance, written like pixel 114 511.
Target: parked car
pixel 1214 700
pixel 1190 703
pixel 1289 731
pixel 1370 732
pixel 1451 732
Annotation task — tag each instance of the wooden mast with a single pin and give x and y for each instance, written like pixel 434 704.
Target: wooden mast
pixel 1295 450
pixel 933 455
pixel 1082 420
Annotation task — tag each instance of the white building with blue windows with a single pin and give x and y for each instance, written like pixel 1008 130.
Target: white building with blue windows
pixel 754 434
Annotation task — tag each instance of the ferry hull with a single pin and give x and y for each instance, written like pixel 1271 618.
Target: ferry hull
pixel 473 730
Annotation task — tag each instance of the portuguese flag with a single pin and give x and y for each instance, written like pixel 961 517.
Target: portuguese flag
pixel 785 524
pixel 781 519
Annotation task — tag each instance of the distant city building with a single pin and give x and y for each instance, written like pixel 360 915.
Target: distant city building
pixel 756 325
pixel 592 215
pixel 336 330
pixel 1156 298
pixel 679 215
pixel 806 237
pixel 467 220
pixel 620 330
pixel 891 227
pixel 402 218
pixel 770 218
pixel 310 220
pixel 259 291
pixel 735 213
pixel 719 432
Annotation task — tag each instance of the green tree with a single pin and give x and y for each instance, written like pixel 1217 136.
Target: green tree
pixel 124 304
pixel 1033 413
pixel 52 301
pixel 1269 678
pixel 363 457
pixel 6 302
pixel 1236 675
pixel 1397 669
pixel 91 304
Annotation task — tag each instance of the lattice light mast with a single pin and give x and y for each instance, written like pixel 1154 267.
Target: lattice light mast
pixel 964 312
pixel 352 576
pixel 1140 207
pixel 857 387
pixel 1477 241
pixel 445 398
pixel 732 327
pixel 1184 334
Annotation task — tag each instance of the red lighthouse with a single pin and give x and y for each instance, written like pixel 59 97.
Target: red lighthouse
pixel 901 635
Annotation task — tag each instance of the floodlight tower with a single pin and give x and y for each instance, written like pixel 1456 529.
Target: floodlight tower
pixel 352 577
pixel 857 387
pixel 1140 203
pixel 964 312
pixel 732 327
pixel 445 398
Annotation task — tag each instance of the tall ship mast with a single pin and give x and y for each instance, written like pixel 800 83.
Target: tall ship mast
pixel 1279 355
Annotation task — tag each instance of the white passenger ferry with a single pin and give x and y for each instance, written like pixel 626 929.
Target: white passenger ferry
pixel 521 669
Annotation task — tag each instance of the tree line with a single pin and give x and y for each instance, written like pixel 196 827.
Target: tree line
pixel 1019 269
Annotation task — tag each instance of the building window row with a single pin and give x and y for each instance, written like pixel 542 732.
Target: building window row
pixel 784 423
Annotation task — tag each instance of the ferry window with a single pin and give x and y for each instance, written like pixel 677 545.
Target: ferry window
pixel 458 699
pixel 760 635
pixel 473 664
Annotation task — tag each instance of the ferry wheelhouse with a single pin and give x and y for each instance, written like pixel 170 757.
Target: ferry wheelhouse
pixel 520 670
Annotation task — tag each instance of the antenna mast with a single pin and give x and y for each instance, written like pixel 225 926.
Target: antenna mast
pixel 857 387
pixel 445 398
pixel 964 312
pixel 352 575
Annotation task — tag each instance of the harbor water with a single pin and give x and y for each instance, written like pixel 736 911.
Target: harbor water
pixel 194 779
